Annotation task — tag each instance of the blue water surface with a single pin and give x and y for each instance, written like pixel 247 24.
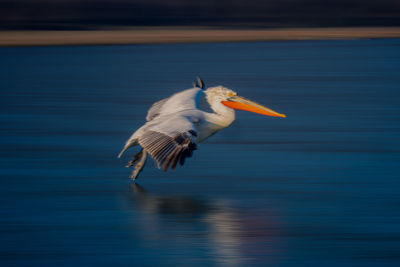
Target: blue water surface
pixel 318 188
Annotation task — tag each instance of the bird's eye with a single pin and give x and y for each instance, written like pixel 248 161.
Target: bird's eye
pixel 230 94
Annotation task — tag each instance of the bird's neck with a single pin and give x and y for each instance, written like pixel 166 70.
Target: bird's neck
pixel 223 116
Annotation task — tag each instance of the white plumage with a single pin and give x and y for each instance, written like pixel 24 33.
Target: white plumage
pixel 175 125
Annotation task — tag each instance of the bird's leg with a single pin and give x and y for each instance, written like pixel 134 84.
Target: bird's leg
pixel 136 157
pixel 141 156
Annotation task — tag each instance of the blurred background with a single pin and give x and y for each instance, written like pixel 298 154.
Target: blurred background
pixel 318 188
pixel 95 14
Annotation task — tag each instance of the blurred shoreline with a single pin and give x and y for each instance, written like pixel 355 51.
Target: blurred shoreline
pixel 163 35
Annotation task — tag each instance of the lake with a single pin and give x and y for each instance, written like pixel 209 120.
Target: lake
pixel 318 188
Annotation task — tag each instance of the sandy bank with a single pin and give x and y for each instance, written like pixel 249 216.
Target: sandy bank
pixel 187 35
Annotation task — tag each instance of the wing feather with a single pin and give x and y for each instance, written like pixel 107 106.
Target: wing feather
pixel 168 150
pixel 155 109
pixel 169 134
pixel 177 102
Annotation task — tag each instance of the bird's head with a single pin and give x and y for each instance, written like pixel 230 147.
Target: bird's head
pixel 219 97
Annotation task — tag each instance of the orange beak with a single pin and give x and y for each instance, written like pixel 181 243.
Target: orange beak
pixel 237 102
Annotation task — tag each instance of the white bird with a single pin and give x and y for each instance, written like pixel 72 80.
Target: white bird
pixel 176 124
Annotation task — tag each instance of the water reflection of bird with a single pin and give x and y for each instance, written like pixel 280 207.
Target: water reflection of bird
pixel 176 124
pixel 187 214
pixel 159 204
pixel 232 235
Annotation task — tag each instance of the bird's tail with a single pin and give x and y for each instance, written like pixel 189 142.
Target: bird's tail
pixel 122 151
pixel 130 143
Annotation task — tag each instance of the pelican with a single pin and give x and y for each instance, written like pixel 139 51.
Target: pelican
pixel 175 125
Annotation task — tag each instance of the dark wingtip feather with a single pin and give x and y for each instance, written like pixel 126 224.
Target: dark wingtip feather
pixel 167 151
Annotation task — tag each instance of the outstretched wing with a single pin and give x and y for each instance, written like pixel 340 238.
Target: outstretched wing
pixel 169 142
pixel 155 109
pixel 184 100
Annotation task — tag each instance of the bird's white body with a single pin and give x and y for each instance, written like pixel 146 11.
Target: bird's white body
pixel 176 124
pixel 184 111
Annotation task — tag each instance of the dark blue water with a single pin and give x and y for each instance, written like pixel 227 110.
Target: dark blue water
pixel 319 188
